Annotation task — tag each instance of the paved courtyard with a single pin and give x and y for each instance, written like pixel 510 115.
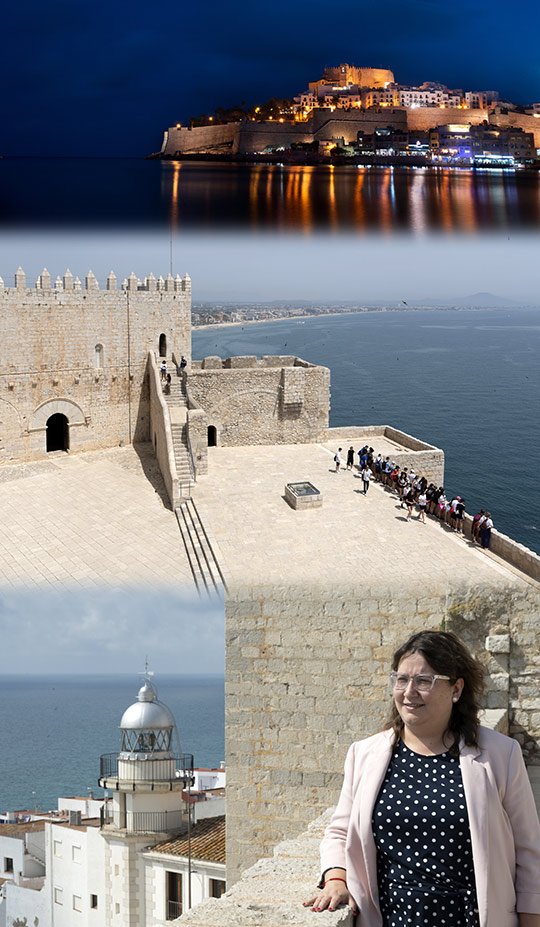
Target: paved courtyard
pixel 87 520
pixel 102 519
pixel 352 539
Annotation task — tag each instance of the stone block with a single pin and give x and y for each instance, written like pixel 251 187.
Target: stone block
pixel 498 643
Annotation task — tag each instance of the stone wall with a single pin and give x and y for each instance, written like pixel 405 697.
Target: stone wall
pixel 161 434
pixel 83 353
pixel 184 139
pixel 306 674
pixel 271 892
pixel 324 125
pixel 279 400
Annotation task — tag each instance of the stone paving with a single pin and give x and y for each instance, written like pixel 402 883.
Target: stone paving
pixel 352 538
pixel 103 519
pixel 96 519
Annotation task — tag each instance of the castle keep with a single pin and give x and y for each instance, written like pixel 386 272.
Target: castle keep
pixel 74 359
pixel 78 372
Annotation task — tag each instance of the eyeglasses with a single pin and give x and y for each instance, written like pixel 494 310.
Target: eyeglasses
pixel 423 682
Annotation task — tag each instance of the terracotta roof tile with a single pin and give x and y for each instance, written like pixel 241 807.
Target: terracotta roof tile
pixel 207 841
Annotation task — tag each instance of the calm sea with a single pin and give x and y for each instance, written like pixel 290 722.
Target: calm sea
pixel 54 729
pixel 263 197
pixel 467 381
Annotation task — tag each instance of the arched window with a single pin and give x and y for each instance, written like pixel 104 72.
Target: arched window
pixel 163 345
pixel 212 436
pixel 99 356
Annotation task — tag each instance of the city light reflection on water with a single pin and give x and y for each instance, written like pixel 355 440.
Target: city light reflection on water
pixel 294 198
pixel 266 197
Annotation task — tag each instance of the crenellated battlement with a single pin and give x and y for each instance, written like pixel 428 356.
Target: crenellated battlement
pixel 75 351
pixel 69 283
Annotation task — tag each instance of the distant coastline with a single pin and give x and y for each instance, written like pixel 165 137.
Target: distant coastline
pixel 315 315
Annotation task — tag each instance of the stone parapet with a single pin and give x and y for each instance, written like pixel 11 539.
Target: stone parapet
pixel 270 893
pixel 161 434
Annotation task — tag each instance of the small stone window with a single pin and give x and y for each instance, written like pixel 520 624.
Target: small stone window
pixel 93 902
pixel 59 896
pixel 99 356
pixel 8 864
pixel 77 903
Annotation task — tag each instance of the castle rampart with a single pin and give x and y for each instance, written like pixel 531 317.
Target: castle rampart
pixel 274 400
pixel 81 354
pixel 324 125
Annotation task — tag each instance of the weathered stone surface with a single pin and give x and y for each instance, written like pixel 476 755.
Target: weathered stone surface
pixel 499 643
pixel 270 893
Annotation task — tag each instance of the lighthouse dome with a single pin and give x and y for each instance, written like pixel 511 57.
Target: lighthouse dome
pixel 146 714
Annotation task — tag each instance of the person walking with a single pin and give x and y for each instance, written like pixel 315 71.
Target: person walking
pixel 350 458
pixel 366 477
pixel 338 459
pixel 436 823
pixel 421 503
pixel 409 502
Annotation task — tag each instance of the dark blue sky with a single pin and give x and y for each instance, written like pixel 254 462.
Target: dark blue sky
pixel 107 78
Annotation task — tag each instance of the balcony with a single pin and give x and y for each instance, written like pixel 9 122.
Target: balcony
pixel 144 822
pixel 149 769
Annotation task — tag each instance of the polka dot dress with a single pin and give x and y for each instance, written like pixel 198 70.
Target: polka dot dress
pixel 424 856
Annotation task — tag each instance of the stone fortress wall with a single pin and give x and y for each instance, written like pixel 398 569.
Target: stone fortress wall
pixel 324 125
pixel 83 352
pixel 271 400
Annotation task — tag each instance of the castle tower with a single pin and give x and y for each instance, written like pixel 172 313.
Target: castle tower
pixel 146 779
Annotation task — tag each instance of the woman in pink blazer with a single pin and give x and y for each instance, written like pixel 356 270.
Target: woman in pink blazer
pixel 436 824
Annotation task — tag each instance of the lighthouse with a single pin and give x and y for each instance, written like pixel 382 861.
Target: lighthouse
pixel 146 779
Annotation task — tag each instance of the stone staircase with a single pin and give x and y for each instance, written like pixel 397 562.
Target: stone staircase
pixel 207 573
pixel 177 405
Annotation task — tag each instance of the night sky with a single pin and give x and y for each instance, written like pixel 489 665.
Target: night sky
pixel 107 78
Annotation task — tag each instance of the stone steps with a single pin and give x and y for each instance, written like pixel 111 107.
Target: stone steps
pixel 206 571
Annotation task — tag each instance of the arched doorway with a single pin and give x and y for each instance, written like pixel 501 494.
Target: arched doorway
pixel 212 436
pixel 163 345
pixel 57 433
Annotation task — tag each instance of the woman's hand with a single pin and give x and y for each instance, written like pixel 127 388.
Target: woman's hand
pixel 334 893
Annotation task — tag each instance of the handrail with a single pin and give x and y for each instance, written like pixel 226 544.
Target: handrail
pixel 183 766
pixel 149 822
pixel 188 438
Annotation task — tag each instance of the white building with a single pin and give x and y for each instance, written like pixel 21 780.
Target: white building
pixel 137 864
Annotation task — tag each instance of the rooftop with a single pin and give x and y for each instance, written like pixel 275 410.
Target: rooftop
pixel 351 538
pixel 207 841
pixel 19 830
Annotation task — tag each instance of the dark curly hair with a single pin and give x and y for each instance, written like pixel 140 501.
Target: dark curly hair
pixel 450 657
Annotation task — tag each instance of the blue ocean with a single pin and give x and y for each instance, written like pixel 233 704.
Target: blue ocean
pixel 467 381
pixel 54 729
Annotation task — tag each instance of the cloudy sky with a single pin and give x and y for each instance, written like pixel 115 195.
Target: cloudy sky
pixel 107 78
pixel 110 631
pixel 240 267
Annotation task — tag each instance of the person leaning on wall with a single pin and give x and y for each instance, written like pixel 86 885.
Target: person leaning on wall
pixel 436 823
